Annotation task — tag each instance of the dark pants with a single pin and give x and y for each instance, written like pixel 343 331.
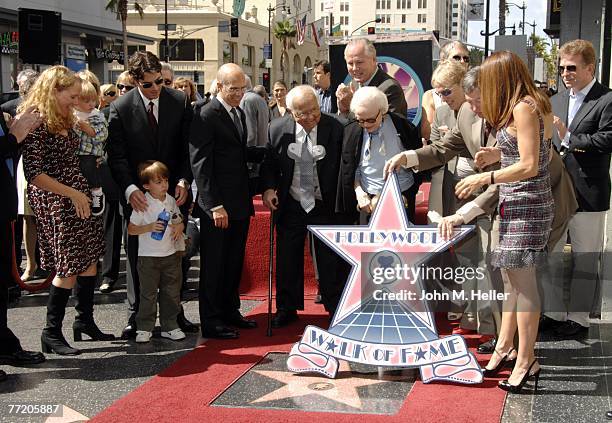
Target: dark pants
pixel 90 170
pixel 112 240
pixel 291 229
pixel 8 341
pixel 222 257
pixel 132 283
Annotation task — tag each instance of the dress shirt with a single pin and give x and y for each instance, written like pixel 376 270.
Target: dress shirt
pixel 300 137
pixel 575 102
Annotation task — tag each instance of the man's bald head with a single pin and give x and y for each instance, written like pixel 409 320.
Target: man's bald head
pixel 231 82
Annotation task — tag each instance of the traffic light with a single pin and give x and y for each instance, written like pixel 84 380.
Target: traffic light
pixel 266 81
pixel 371 30
pixel 234 27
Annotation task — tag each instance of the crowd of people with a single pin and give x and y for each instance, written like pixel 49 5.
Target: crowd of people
pixel 151 161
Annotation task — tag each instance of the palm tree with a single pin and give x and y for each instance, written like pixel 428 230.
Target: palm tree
pixel 503 9
pixel 284 31
pixel 120 7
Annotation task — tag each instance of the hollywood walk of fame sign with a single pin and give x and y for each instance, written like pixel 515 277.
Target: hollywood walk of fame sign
pixel 383 317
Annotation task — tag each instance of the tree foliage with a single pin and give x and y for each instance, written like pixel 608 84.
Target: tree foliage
pixel 284 31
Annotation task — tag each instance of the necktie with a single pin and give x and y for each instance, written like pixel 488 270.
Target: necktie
pixel 368 144
pixel 307 200
pixel 237 122
pixel 151 116
pixel 486 131
pixel 9 162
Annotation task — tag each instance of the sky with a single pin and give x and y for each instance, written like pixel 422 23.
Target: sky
pixel 536 9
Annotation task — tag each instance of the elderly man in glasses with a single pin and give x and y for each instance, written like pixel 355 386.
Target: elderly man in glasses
pixel 300 180
pixel 373 138
pixel 150 122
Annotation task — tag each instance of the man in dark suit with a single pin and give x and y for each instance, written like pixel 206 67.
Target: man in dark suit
pixel 360 57
pixel 149 123
pixel 218 153
pixel 583 119
pixel 321 75
pixel 300 177
pixel 10 348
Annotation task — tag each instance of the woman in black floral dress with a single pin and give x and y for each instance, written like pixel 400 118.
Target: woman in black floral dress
pixel 71 239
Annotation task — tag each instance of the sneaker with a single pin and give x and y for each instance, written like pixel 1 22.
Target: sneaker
pixel 143 336
pixel 97 201
pixel 107 286
pixel 175 334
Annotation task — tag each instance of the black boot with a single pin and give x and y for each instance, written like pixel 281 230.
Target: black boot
pixel 84 322
pixel 52 338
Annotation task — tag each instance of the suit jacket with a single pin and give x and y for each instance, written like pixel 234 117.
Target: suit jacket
pixel 257 118
pixel 277 168
pixel 218 158
pixel 588 157
pixel 131 141
pixel 351 154
pixel 393 90
pixel 8 189
pixel 10 106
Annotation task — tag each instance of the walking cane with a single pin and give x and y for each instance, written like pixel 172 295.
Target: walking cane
pixel 270 269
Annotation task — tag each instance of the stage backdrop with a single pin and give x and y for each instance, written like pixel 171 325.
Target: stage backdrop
pixel 410 62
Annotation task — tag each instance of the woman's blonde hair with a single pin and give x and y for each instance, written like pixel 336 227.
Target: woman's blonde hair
pixel 181 80
pixel 504 81
pixel 448 73
pixel 43 97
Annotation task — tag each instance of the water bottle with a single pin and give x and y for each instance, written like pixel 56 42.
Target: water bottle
pixel 164 218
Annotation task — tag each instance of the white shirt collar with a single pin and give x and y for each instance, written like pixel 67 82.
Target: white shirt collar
pixel 367 83
pixel 147 100
pixel 585 90
pixel 301 132
pixel 149 197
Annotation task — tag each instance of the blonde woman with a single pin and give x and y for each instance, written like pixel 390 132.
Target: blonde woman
pixel 108 94
pixel 188 87
pixel 125 83
pixel 70 237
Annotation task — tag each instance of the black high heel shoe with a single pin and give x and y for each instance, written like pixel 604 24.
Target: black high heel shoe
pixel 516 389
pixel 90 329
pixel 503 363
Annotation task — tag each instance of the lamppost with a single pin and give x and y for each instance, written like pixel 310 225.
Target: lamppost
pixel 488 34
pixel 377 20
pixel 286 13
pixel 532 25
pixel 523 7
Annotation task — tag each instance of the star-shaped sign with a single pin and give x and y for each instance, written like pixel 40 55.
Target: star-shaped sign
pixel 344 389
pixel 389 239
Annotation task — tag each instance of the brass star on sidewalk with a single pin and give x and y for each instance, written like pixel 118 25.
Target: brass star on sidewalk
pixel 343 389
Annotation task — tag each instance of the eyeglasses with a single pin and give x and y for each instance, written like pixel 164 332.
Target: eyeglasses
pixel 167 82
pixel 147 85
pixel 235 90
pixel 465 59
pixel 569 68
pixel 444 93
pixel 371 120
pixel 126 87
pixel 110 93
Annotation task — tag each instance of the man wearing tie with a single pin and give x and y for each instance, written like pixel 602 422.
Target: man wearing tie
pixel 583 119
pixel 300 176
pixel 149 123
pixel 218 153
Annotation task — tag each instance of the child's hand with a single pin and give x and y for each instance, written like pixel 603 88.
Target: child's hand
pixel 155 227
pixel 177 231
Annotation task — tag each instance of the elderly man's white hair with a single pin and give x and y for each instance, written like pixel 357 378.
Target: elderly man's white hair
pixel 249 84
pixel 371 98
pixel 370 50
pixel 214 89
pixel 300 91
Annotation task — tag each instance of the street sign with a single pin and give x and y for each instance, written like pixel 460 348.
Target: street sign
pixel 267 51
pixel 171 27
pixel 268 63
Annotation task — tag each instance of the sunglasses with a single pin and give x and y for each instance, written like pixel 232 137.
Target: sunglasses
pixel 465 59
pixel 126 87
pixel 110 93
pixel 444 93
pixel 371 120
pixel 569 68
pixel 157 82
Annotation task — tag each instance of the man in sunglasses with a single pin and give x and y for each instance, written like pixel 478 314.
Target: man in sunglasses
pixel 583 119
pixel 167 73
pixel 148 123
